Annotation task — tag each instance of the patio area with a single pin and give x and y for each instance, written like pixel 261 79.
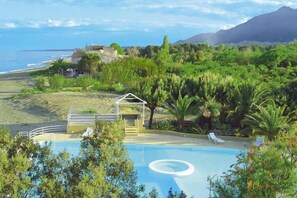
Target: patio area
pixel 160 138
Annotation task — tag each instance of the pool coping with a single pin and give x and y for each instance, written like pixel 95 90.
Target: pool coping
pixel 161 138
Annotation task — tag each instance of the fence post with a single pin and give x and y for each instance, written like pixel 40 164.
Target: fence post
pixel 138 125
pixel 125 125
pixel 68 118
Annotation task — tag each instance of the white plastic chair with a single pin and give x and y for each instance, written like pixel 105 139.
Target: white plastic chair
pixel 259 141
pixel 88 132
pixel 213 137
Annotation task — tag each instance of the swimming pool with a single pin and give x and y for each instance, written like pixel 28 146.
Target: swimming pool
pixel 206 162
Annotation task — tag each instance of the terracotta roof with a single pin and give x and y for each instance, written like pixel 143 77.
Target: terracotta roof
pixel 95 47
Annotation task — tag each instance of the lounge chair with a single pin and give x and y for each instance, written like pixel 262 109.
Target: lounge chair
pixel 259 141
pixel 214 138
pixel 88 132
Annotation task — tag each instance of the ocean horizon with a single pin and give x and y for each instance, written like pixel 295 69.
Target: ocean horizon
pixel 11 61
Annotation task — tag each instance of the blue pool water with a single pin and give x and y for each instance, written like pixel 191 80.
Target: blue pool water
pixel 207 162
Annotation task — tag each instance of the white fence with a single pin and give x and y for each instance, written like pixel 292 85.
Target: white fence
pixel 47 129
pixel 89 119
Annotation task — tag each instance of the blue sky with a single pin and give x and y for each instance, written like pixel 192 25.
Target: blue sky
pixel 43 24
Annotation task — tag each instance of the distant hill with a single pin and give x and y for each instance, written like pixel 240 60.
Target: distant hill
pixel 275 27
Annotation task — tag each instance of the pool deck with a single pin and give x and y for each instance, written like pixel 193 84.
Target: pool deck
pixel 161 138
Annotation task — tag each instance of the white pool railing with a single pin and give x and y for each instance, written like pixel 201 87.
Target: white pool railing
pixel 47 129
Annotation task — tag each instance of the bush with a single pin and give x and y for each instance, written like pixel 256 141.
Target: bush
pixel 56 82
pixel 89 111
pixel 69 82
pixel 40 84
pixel 86 82
pixel 119 88
pixel 102 87
pixel 195 130
pixel 165 125
pixel 266 171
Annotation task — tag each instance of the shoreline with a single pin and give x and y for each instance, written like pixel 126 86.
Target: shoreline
pixel 27 70
pixel 37 61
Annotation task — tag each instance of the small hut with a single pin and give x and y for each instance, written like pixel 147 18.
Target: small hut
pixel 128 108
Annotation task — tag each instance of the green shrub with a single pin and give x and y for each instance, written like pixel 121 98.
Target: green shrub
pixel 119 88
pixel 40 84
pixel 69 82
pixel 102 87
pixel 89 111
pixel 56 82
pixel 165 125
pixel 86 82
pixel 195 130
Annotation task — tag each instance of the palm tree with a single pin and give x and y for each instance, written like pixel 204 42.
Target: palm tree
pixel 269 121
pixel 180 108
pixel 210 110
pixel 246 96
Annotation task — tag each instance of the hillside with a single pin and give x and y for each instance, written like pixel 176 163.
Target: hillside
pixel 275 27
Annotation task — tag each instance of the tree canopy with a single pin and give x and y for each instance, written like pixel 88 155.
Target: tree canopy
pixel 118 48
pixel 101 169
pixel 89 62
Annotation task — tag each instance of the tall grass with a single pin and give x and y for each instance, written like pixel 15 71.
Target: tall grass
pixel 56 81
pixel 86 82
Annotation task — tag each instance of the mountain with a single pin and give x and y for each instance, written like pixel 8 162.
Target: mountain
pixel 275 27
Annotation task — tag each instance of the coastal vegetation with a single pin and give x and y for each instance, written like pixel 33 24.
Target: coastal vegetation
pixel 230 83
pixel 262 172
pixel 233 90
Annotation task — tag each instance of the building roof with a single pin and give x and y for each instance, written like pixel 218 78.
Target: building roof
pixel 129 96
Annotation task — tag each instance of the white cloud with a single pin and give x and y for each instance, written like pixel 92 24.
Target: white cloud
pixel 245 19
pixel 34 25
pixel 276 2
pixel 146 15
pixel 54 23
pixel 9 25
pixel 71 23
pixel 183 6
pixel 227 26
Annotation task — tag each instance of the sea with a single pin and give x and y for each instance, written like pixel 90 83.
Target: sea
pixel 11 61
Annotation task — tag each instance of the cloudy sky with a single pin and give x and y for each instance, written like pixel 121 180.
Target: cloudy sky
pixel 39 24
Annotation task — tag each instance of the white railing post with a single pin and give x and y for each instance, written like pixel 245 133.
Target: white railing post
pixel 143 108
pixel 125 125
pixel 138 125
pixel 68 117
